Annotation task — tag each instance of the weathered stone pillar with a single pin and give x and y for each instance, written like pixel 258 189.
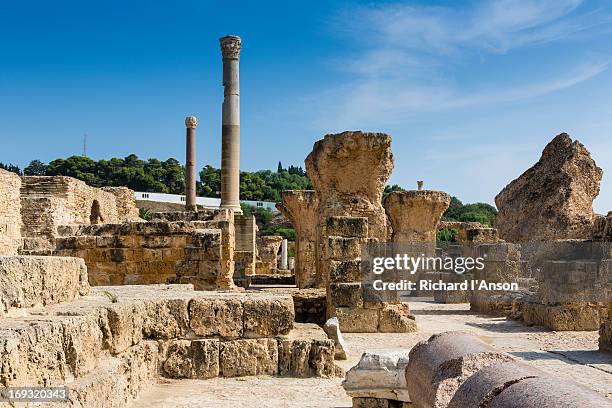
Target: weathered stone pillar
pixel 283 265
pixel 349 171
pixel 230 124
pixel 300 206
pixel 191 122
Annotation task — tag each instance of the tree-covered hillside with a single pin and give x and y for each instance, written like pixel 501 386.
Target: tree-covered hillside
pixel 168 176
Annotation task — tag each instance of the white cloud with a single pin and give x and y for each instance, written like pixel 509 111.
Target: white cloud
pixel 404 57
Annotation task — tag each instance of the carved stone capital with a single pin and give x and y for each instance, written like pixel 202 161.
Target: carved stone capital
pixel 230 46
pixel 191 122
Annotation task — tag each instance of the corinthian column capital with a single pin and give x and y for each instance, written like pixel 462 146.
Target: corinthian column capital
pixel 230 46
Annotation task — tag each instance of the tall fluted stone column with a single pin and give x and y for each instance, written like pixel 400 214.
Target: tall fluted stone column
pixel 191 122
pixel 230 124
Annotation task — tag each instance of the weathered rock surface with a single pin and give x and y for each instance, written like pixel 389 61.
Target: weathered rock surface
pixel 332 329
pixel 437 367
pixel 27 281
pixel 415 215
pixel 602 229
pixel 300 206
pixel 554 198
pixel 379 374
pixel 10 213
pixel 267 254
pixel 307 352
pixel 192 359
pixel 248 357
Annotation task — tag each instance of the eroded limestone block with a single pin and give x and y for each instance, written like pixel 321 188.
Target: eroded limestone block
pixel 28 280
pixel 307 352
pixel 117 381
pixel 415 215
pixel 267 316
pixel 299 206
pixel 216 317
pixel 245 357
pixel 396 318
pixel 349 172
pixel 192 359
pixel 380 374
pixel 554 198
pixel 437 367
pixel 357 320
pixel 575 281
pixel 122 325
pixel 166 318
pixel 577 316
pixel 332 329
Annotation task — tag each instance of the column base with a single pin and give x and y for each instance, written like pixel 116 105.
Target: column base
pixel 235 208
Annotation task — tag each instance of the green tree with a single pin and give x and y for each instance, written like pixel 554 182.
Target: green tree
pixel 11 167
pixel 477 212
pixel 35 168
pixel 389 189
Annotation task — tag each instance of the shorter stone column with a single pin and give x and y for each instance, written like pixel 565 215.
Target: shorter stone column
pixel 283 265
pixel 299 206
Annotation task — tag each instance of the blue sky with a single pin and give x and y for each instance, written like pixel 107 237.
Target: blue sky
pixel 470 91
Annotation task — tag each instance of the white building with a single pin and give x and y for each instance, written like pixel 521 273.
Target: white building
pixel 206 202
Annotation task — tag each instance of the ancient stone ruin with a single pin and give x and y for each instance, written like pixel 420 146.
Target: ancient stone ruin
pixel 554 198
pixel 96 299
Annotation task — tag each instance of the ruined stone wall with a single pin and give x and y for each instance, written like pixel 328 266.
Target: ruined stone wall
pixel 50 201
pixel 146 253
pixel 10 213
pixel 212 219
pixel 602 229
pixel 300 206
pixel 468 231
pixel 126 203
